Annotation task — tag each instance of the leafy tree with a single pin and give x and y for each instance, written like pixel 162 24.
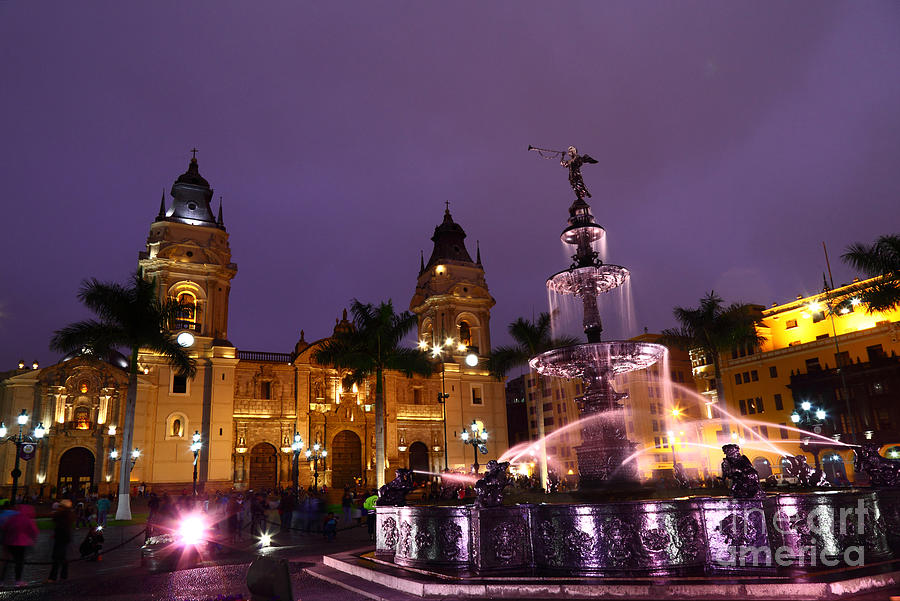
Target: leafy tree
pixel 372 346
pixel 531 338
pixel 714 328
pixel 881 260
pixel 130 318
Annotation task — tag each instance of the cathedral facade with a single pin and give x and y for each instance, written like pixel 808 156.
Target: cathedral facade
pixel 246 406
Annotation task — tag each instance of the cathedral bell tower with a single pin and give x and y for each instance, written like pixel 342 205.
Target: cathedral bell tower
pixel 453 307
pixel 189 258
pixel 452 298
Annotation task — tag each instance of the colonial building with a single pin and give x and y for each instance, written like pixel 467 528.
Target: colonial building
pixel 247 405
pixel 821 380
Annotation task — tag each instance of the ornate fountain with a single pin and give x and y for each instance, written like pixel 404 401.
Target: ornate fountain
pixel 767 539
pixel 605 447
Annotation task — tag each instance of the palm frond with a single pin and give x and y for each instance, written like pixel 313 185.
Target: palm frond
pixel 94 337
pixel 176 355
pixel 409 362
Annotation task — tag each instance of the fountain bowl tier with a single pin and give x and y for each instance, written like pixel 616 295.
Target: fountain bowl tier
pixel 582 233
pixel 587 281
pixel 587 361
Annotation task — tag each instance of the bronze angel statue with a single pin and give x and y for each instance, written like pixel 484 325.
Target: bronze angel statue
pixel 573 161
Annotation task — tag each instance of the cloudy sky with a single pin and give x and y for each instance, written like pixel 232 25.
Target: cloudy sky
pixel 733 138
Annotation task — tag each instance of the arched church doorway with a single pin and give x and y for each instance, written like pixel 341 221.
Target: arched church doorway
pixel 76 472
pixel 346 459
pixel 418 461
pixel 263 467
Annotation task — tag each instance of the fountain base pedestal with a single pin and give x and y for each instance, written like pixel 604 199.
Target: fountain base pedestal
pixel 602 462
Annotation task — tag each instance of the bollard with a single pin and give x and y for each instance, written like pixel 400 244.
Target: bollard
pixel 269 580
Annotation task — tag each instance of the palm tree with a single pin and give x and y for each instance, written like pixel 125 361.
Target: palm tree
pixel 882 260
pixel 371 347
pixel 531 338
pixel 714 328
pixel 131 318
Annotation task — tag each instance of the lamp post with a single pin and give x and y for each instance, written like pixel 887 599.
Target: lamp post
pixel 476 437
pixel 25 445
pixel 313 455
pixel 437 353
pixel 295 466
pixel 808 415
pixel 135 455
pixel 195 448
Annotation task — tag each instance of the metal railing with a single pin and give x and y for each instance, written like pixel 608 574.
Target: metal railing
pixel 264 357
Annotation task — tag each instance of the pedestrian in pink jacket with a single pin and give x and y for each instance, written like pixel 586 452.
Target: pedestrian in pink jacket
pixel 19 532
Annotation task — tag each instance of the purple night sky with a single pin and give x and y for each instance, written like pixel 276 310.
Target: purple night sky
pixel 733 138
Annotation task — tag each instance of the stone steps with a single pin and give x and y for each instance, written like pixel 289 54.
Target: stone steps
pixel 360 586
pixel 376 580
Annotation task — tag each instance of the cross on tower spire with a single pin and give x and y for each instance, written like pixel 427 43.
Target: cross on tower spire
pixel 447 203
pixel 194 153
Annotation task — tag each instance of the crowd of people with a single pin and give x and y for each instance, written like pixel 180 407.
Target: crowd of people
pixel 237 514
pixel 19 532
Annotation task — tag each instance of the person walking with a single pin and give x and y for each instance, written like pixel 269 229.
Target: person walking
pixel 286 510
pixel 63 519
pixel 347 505
pixel 369 508
pixel 103 505
pixel 19 533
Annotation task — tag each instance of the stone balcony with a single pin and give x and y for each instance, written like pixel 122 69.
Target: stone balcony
pixel 419 412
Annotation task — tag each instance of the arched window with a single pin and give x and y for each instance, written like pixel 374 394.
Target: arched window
pixel 426 334
pixel 187 312
pixel 465 333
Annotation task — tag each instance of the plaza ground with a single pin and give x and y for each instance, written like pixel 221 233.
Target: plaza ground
pixel 120 577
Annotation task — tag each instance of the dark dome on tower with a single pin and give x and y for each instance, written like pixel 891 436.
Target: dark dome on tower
pixel 191 195
pixel 449 242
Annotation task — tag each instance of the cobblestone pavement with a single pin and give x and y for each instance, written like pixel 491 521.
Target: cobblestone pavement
pixel 120 576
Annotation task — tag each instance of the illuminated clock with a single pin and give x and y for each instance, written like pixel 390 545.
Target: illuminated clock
pixel 185 339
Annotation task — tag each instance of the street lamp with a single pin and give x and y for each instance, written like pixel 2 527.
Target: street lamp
pixel 25 446
pixel 295 467
pixel 195 448
pixel 478 439
pixel 135 455
pixel 471 359
pixel 314 455
pixel 806 417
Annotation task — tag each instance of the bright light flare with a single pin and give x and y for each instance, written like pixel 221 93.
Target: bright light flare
pixel 805 405
pixel 192 530
pixel 265 539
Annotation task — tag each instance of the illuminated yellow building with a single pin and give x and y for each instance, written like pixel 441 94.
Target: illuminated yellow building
pixel 556 397
pixel 820 380
pixel 247 405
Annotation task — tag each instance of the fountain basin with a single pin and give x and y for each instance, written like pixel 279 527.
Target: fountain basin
pixel 588 281
pixel 386 531
pixel 586 361
pixel 436 536
pixel 831 524
pixel 689 535
pixel 637 536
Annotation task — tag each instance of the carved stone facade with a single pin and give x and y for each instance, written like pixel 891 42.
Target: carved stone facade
pixel 247 405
